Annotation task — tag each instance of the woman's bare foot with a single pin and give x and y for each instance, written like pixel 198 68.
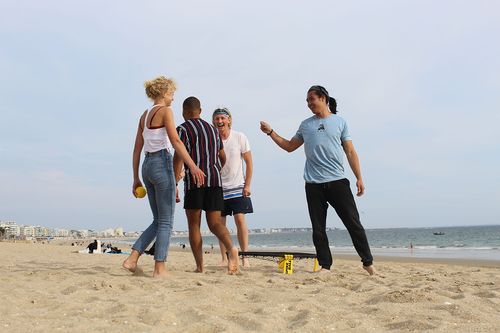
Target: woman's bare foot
pixel 370 269
pixel 223 263
pixel 233 261
pixel 160 270
pixel 130 266
pixel 130 263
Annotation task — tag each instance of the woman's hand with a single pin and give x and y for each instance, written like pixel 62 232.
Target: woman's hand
pixel 137 183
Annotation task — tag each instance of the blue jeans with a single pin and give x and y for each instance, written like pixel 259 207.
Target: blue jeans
pixel 158 177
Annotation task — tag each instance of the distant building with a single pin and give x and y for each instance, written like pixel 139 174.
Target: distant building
pixel 258 231
pixel 12 230
pixel 132 234
pixel 179 233
pixel 61 233
pixel 42 232
pixel 27 232
pixel 119 232
pixel 108 233
pixel 82 233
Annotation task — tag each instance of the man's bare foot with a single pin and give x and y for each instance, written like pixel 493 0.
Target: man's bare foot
pixel 130 265
pixel 233 261
pixel 370 269
pixel 198 270
pixel 223 263
pixel 245 263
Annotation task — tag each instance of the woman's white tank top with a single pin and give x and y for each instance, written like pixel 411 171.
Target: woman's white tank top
pixel 154 139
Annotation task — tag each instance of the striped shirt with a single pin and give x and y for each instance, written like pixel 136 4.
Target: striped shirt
pixel 203 143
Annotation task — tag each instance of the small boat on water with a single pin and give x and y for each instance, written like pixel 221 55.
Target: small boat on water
pixel 438 233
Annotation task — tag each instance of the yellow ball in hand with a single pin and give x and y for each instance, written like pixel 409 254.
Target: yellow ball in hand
pixel 140 192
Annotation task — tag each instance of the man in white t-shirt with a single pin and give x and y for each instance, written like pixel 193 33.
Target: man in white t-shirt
pixel 235 182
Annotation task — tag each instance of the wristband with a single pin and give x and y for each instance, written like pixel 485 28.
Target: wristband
pixel 271 132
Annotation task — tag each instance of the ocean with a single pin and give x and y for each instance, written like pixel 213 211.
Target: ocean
pixel 473 242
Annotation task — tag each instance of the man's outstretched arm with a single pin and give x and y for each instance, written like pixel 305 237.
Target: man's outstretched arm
pixel 287 145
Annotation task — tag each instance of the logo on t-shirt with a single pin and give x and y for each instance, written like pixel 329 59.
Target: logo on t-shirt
pixel 321 128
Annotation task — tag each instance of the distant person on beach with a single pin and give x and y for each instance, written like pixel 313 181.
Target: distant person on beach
pixel 326 137
pixel 156 134
pixel 92 246
pixel 235 182
pixel 205 147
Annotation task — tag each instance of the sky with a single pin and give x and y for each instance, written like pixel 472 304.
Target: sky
pixel 418 82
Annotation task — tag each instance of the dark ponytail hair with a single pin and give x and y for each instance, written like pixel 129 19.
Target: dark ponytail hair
pixel 322 92
pixel 332 105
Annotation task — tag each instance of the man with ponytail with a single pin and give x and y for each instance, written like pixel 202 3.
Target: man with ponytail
pixel 326 138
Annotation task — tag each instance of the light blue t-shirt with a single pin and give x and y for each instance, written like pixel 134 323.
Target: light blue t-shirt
pixel 323 139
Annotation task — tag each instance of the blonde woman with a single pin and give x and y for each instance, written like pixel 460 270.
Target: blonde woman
pixel 156 134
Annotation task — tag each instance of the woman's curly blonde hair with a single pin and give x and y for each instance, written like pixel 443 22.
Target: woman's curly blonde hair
pixel 158 86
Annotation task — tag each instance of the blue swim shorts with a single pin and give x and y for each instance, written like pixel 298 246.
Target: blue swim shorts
pixel 239 205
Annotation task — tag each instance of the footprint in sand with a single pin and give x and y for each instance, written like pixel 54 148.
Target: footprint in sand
pixel 486 294
pixel 299 320
pixel 69 290
pixel 400 296
pixel 246 323
pixel 411 325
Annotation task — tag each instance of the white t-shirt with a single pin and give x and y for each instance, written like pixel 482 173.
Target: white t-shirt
pixel 233 178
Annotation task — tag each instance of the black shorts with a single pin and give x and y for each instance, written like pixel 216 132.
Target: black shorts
pixel 205 198
pixel 240 205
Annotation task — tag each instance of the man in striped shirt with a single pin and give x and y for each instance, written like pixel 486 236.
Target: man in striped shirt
pixel 205 147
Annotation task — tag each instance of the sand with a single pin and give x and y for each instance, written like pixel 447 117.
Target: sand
pixel 48 288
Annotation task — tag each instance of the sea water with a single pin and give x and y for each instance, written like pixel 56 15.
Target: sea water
pixel 473 242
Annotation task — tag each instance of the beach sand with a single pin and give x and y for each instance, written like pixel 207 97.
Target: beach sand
pixel 49 288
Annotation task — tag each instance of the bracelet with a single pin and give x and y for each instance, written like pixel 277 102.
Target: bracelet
pixel 271 132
